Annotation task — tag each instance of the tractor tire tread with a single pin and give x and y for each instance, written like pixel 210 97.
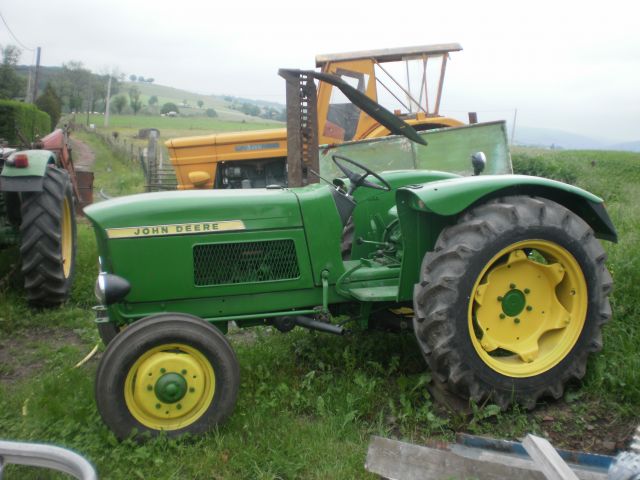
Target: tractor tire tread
pixel 443 269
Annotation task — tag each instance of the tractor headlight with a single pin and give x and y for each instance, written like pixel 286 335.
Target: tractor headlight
pixel 111 288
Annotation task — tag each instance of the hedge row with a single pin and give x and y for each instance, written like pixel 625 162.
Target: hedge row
pixel 24 117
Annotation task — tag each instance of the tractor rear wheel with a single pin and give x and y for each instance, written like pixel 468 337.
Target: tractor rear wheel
pixel 48 244
pixel 512 301
pixel 169 372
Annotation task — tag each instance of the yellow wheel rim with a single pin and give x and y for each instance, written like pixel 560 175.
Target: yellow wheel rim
pixel 169 387
pixel 527 308
pixel 67 238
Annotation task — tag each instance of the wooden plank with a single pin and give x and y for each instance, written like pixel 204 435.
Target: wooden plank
pixel 404 461
pixel 547 459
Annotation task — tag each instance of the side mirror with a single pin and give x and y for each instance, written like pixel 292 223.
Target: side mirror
pixel 479 161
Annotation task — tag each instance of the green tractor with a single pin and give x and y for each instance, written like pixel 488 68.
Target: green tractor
pixel 503 273
pixel 37 213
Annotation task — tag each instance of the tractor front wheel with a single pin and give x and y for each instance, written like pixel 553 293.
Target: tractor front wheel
pixel 170 372
pixel 512 301
pixel 48 240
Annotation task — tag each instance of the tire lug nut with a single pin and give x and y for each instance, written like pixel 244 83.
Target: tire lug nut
pixel 516 320
pixel 529 308
pixel 158 406
pixel 191 390
pixel 179 406
pixel 527 291
pixel 184 372
pixel 149 387
pixel 512 286
pixel 502 316
pixel 499 298
pixel 162 370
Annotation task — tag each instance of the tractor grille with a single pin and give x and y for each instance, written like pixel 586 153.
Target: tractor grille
pixel 229 263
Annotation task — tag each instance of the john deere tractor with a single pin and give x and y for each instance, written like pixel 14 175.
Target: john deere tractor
pixel 503 273
pixel 37 188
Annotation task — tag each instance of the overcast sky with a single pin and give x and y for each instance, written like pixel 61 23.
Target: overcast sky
pixel 569 65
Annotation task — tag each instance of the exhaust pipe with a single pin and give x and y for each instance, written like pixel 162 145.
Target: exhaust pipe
pixel 286 324
pixel 312 324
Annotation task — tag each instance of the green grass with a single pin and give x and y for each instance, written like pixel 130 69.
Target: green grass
pixel 113 175
pixel 309 402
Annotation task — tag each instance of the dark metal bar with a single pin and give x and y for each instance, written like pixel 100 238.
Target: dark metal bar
pixel 294 134
pixel 302 128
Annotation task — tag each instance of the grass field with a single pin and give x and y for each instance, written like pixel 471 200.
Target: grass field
pixel 175 95
pixel 309 402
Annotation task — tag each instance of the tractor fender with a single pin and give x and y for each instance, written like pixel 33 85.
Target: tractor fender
pixel 450 197
pixel 27 179
pixel 424 210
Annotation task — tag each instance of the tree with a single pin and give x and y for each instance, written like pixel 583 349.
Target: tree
pixel 250 109
pixel 150 80
pixel 153 100
pixel 141 78
pixel 74 85
pixel 50 102
pixel 101 83
pixel 119 103
pixel 169 107
pixel 134 100
pixel 200 103
pixel 133 77
pixel 11 84
pixel 211 113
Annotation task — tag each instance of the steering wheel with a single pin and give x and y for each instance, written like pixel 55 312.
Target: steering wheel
pixel 359 180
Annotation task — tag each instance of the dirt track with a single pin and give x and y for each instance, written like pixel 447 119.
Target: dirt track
pixel 83 156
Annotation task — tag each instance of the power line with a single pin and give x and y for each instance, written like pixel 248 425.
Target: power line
pixel 13 35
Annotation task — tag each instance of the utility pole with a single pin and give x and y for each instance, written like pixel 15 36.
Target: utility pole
pixel 35 83
pixel 89 107
pixel 28 98
pixel 513 127
pixel 106 113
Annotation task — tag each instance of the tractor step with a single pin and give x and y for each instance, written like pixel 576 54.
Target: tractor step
pixel 375 294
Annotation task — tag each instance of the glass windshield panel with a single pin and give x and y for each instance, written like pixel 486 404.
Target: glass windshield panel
pixel 343 116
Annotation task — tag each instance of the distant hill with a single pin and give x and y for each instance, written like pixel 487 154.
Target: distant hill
pixel 626 146
pixel 221 103
pixel 546 137
pixel 551 138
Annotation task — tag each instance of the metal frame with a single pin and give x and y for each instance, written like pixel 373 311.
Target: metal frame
pixel 45 456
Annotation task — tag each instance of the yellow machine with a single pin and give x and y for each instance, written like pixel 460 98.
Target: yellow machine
pixel 258 158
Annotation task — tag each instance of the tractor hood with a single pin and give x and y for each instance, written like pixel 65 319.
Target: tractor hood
pixel 194 212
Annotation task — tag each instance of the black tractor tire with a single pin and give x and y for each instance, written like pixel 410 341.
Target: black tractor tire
pixel 122 399
pixel 446 320
pixel 48 240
